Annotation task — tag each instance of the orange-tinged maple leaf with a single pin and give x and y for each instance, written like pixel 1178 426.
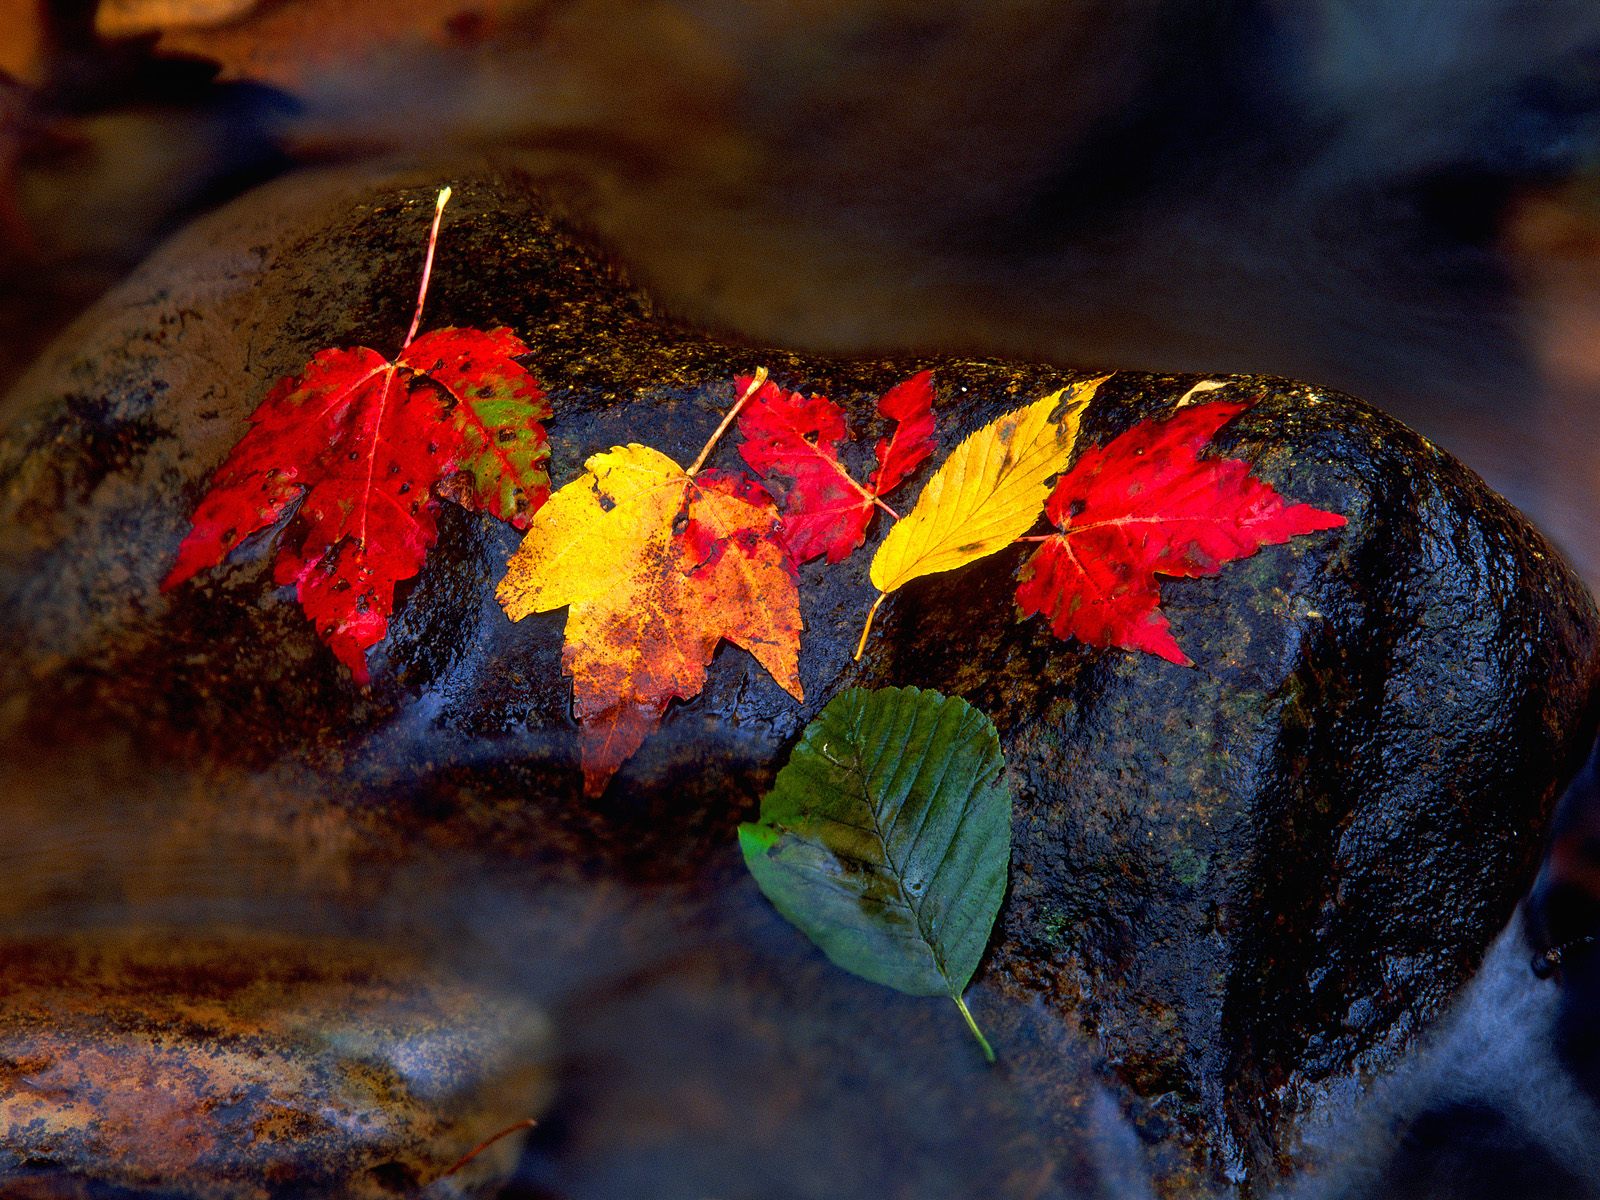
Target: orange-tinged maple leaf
pixel 655 565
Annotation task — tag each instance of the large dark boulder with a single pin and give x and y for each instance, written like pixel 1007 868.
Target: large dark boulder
pixel 1237 889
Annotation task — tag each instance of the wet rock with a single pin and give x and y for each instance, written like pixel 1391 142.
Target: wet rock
pixel 253 1067
pixel 1247 884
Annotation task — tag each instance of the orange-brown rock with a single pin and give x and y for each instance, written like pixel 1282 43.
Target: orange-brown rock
pixel 244 1066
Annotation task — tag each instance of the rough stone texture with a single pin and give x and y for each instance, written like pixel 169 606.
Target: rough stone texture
pixel 1239 887
pixel 251 1067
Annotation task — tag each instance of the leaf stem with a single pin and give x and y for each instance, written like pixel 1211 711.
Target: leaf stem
pixel 988 1050
pixel 1042 537
pixel 427 267
pixel 866 629
pixel 756 380
pixel 870 496
pixel 525 1123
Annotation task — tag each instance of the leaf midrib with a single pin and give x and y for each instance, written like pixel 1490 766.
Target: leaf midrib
pixel 897 872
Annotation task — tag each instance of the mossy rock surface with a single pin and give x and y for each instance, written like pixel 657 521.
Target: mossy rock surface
pixel 1239 888
pixel 247 1067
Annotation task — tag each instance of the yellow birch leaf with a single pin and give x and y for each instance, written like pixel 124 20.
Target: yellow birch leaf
pixel 655 567
pixel 985 495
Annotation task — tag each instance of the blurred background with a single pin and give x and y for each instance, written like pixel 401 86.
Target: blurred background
pixel 1396 198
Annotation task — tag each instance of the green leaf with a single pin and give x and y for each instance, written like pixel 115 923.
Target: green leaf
pixel 887 839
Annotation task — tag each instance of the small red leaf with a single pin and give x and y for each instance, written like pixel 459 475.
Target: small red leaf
pixel 1145 504
pixel 792 442
pixel 910 404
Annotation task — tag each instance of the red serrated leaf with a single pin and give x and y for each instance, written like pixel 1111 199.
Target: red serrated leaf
pixel 792 442
pixel 910 405
pixel 1145 504
pixel 360 443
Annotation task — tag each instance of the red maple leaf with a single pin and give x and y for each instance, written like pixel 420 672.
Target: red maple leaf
pixel 1145 504
pixel 360 447
pixel 792 441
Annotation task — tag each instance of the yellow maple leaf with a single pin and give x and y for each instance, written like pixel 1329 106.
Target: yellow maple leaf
pixel 983 497
pixel 655 566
